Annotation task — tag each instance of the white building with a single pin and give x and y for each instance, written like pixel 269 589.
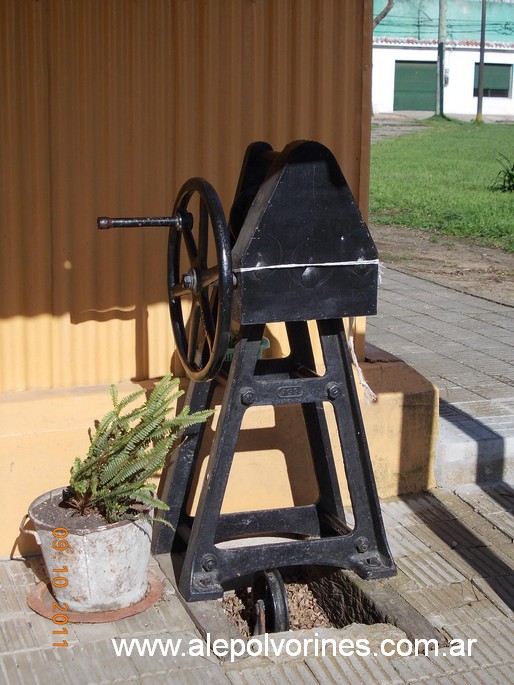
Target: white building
pixel 405 77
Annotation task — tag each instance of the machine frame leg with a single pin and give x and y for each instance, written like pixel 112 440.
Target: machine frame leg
pixel 315 534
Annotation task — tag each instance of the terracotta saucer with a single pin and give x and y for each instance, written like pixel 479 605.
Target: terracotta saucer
pixel 41 600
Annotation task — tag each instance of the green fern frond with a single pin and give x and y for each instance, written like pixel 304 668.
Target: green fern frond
pixel 115 464
pixel 150 500
pixel 185 419
pixel 129 446
pixel 159 519
pixel 128 400
pixel 113 390
pixel 155 458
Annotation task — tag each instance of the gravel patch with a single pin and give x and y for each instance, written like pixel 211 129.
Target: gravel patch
pixel 304 610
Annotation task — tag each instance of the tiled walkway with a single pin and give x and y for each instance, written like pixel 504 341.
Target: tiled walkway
pixel 465 346
pixel 455 557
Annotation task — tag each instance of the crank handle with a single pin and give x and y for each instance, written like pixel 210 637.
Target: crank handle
pixel 139 222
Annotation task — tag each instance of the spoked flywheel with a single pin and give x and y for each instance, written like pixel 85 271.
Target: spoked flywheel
pixel 206 286
pixel 269 599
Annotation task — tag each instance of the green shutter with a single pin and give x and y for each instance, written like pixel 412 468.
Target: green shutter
pixel 415 86
pixel 497 78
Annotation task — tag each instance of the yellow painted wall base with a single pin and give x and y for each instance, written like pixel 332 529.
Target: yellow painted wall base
pixel 41 432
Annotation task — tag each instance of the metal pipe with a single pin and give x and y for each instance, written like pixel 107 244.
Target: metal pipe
pixel 480 94
pixel 138 221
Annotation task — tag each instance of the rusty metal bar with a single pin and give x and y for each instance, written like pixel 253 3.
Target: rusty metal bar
pixel 138 221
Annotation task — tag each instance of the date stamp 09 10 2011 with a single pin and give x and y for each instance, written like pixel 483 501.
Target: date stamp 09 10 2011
pixel 60 618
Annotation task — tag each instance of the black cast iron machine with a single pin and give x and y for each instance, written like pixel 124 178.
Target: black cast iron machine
pixel 296 249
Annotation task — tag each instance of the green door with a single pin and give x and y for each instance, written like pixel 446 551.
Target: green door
pixel 415 86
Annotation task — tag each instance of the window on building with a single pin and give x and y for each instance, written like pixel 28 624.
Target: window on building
pixel 497 81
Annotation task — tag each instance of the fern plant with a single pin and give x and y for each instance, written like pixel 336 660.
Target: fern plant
pixel 505 177
pixel 128 447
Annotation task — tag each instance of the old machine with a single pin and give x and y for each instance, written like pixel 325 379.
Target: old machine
pixel 296 249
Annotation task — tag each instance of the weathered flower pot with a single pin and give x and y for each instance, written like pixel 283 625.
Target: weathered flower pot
pixel 91 568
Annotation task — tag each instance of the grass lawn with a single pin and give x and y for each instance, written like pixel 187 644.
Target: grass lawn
pixel 439 179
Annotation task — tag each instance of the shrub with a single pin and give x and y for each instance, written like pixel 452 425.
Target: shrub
pixel 505 178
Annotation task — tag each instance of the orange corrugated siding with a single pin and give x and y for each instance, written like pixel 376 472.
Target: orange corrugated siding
pixel 107 107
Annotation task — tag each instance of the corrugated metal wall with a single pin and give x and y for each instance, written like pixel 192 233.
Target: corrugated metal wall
pixel 106 108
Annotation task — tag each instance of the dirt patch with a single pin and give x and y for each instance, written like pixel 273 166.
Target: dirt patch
pixel 457 263
pixel 56 515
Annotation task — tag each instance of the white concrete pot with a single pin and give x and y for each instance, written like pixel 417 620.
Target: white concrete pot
pixel 99 570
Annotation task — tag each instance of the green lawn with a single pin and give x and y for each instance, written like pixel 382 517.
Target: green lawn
pixel 439 179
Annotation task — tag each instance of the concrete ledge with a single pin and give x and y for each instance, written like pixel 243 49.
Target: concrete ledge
pixel 470 450
pixel 41 433
pixel 401 426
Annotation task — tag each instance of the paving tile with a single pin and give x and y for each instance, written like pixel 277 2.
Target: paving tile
pixel 504 403
pixel 355 670
pixel 478 562
pixel 483 610
pixel 429 570
pixel 485 529
pixel 413 509
pixel 452 534
pixel 439 605
pixel 447 498
pixel 157 679
pixel 495 390
pixel 487 500
pixel 429 509
pixel 396 508
pixel 21 668
pixel 164 617
pixel 474 530
pixel 415 669
pixel 494 640
pixel 402 542
pixel 467 427
pixel 495 675
pixel 15 635
pixel 290 673
pixel 162 661
pixel 499 590
pixel 504 522
pixel 42 631
pixel 389 521
pixel 16 581
pixel 507 550
pixel 456 395
pixel 480 408
pixel 92 632
pixel 38 667
pixel 452 665
pixel 95 664
pixel 25 573
pixel 196 676
pixel 13 599
pixel 402 584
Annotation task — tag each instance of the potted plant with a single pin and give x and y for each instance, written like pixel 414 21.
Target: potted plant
pixel 96 532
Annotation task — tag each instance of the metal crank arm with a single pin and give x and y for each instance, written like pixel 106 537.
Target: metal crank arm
pixel 139 222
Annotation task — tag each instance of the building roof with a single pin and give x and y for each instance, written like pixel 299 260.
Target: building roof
pixel 432 43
